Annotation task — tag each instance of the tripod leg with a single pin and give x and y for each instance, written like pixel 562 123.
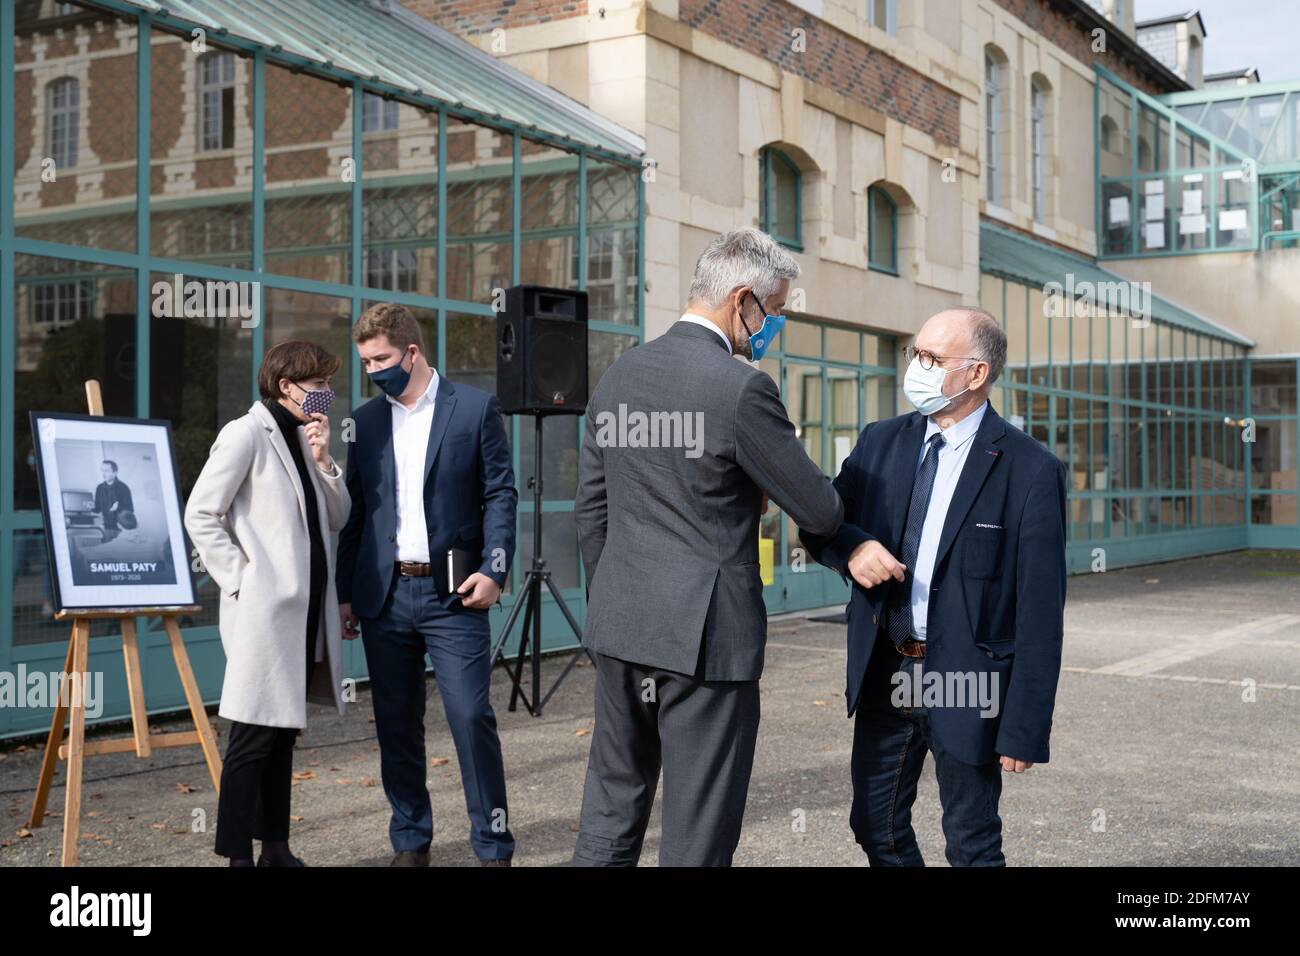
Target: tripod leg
pixel 537 646
pixel 516 691
pixel 510 620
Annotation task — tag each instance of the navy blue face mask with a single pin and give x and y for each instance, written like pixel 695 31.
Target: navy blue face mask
pixel 393 379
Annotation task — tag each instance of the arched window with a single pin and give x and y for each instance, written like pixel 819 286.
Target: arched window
pixel 992 125
pixel 62 111
pixel 1109 134
pixel 217 100
pixel 883 15
pixel 1038 148
pixel 882 231
pixel 780 206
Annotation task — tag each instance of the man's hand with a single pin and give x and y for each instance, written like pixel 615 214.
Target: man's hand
pixel 351 625
pixel 872 564
pixel 479 591
pixel 1012 765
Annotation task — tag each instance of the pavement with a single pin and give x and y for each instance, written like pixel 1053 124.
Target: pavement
pixel 1176 741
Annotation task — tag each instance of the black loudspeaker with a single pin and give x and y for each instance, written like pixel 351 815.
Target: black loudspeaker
pixel 542 351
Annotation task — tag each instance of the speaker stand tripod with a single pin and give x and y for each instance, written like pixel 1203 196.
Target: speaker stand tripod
pixel 529 603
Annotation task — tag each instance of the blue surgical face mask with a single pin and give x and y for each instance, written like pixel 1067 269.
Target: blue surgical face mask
pixel 760 341
pixel 393 379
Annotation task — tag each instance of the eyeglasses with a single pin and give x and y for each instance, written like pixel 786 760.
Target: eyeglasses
pixel 927 359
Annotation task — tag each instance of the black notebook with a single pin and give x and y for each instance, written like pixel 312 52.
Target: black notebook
pixel 460 565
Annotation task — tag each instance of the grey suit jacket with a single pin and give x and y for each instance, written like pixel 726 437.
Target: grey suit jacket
pixel 669 535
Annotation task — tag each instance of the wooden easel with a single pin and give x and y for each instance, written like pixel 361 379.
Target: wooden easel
pixel 142 742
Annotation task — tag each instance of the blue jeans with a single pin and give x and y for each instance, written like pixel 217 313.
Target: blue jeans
pixel 889 747
pixel 411 624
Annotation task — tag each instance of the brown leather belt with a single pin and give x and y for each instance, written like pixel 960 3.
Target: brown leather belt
pixel 413 569
pixel 912 648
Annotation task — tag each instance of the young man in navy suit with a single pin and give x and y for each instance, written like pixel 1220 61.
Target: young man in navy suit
pixel 954 538
pixel 429 472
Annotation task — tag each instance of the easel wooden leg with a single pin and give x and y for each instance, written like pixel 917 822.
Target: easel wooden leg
pixel 76 741
pixel 51 758
pixel 135 688
pixel 207 739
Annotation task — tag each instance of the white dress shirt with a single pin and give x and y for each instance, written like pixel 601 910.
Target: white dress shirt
pixel 410 446
pixel 700 320
pixel 957 442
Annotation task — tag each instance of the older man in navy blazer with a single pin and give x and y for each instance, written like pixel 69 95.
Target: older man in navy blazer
pixel 954 538
pixel 429 473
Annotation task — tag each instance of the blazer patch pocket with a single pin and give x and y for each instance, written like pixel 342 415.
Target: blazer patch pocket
pixel 981 550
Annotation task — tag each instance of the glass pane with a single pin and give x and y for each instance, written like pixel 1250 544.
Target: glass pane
pixel 308 203
pixel 1117 218
pixel 479 210
pixel 399 199
pixel 74 127
pixel 611 243
pixel 74 321
pixel 200 372
pixel 549 216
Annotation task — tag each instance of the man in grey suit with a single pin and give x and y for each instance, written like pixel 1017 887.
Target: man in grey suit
pixel 682 444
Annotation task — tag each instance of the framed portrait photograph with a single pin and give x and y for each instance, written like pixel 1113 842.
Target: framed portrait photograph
pixel 112 505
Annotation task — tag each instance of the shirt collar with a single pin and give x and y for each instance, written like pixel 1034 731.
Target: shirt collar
pixel 430 393
pixel 959 434
pixel 700 320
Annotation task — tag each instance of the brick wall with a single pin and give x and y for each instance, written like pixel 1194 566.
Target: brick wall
pixel 831 58
pixel 468 17
pixel 1045 18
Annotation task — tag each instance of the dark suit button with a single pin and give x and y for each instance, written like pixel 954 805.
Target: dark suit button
pixel 392 537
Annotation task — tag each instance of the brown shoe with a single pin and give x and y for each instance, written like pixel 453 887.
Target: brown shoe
pixel 502 862
pixel 411 858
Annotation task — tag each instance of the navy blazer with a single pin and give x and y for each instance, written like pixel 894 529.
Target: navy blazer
pixel 997 596
pixel 469 494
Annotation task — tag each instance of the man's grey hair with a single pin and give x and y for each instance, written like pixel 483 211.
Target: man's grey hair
pixel 988 341
pixel 745 257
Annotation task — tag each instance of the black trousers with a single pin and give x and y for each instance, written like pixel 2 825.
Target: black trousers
pixel 256 779
pixel 700 733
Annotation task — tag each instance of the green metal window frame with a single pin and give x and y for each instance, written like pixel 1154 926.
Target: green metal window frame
pixel 816 586
pixel 141 265
pixel 1178 424
pixel 768 159
pixel 875 261
pixel 1133 181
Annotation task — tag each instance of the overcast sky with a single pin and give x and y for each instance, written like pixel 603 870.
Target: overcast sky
pixel 1264 34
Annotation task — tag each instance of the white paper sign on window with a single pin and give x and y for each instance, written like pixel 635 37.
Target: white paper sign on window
pixel 1191 202
pixel 1231 220
pixel 1119 210
pixel 1192 225
pixel 1155 235
pixel 1155 207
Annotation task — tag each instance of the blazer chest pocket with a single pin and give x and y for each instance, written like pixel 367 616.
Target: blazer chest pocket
pixel 982 550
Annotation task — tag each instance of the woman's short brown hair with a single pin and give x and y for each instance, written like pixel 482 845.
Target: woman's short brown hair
pixel 295 360
pixel 391 319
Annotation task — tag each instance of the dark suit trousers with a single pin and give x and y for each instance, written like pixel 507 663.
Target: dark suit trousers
pixel 889 747
pixel 256 780
pixel 701 733
pixel 411 624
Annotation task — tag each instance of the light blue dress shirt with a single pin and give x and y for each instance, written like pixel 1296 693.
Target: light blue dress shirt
pixel 957 442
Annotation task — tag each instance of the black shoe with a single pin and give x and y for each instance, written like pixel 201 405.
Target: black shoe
pixel 297 861
pixel 504 861
pixel 410 858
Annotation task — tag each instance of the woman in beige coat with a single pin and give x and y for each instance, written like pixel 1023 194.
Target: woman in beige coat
pixel 260 516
